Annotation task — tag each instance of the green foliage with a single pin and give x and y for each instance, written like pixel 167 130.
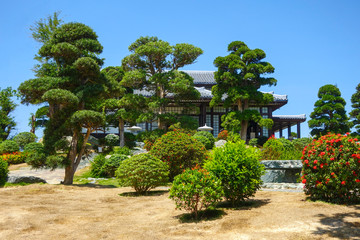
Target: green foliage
pixel 253 142
pixel 149 137
pixel 331 169
pixel 222 135
pixel 24 138
pixel 205 138
pixel 96 168
pixel 238 167
pixel 196 190
pixel 3 172
pixel 355 112
pixel 7 106
pixel 142 172
pixel 239 77
pixel 153 64
pixel 280 149
pixel 130 140
pixel 112 164
pixel 329 113
pixel 112 140
pixel 122 150
pixel 34 147
pixel 177 127
pixel 300 143
pixel 180 151
pixel 9 146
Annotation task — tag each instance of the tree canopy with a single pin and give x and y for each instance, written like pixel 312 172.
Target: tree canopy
pixel 329 113
pixel 153 66
pixel 7 106
pixel 239 78
pixel 355 112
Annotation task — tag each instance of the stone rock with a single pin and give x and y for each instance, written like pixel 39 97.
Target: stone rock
pixel 220 143
pixel 138 150
pixel 140 144
pixel 25 179
pixel 281 171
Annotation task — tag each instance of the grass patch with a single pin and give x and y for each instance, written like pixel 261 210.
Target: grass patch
pixel 148 193
pixel 81 178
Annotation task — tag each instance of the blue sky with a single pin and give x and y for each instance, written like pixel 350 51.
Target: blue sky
pixel 310 43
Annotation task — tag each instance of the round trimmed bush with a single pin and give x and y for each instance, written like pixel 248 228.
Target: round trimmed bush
pixel 36 156
pixel 180 151
pixel 96 167
pixel 112 140
pixel 142 172
pixel 34 147
pixel 9 146
pixel 195 190
pixel 210 140
pixel 112 164
pixel 24 138
pixel 238 167
pixel 3 172
pixel 331 169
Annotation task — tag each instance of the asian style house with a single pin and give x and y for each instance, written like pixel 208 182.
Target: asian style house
pixel 203 81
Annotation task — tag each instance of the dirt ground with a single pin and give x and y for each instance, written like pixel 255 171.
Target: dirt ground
pixel 90 212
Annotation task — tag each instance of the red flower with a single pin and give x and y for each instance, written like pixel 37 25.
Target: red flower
pixel 314 167
pixel 304 181
pixel 322 153
pixel 332 173
pixel 321 165
pixel 357 180
pixel 347 163
pixel 332 159
pixel 306 161
pixel 315 161
pixel 343 182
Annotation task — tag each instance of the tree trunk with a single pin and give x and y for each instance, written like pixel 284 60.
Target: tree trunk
pixel 161 125
pixel 121 133
pixel 33 122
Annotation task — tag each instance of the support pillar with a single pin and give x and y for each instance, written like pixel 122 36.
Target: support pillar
pixel 298 129
pixel 280 130
pixel 289 130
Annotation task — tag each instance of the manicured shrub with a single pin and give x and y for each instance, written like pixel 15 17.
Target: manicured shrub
pixel 36 156
pixel 142 172
pixel 210 140
pixel 206 142
pixel 9 146
pixel 96 167
pixel 3 172
pixel 34 147
pixel 14 158
pixel 112 140
pixel 331 169
pixel 280 149
pixel 253 142
pixel 178 127
pixel 195 190
pixel 222 135
pixel 122 150
pixel 300 143
pixel 180 151
pixel 112 163
pixel 238 167
pixel 24 138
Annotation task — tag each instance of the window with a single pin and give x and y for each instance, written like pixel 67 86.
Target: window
pixel 215 125
pixel 264 109
pixel 255 108
pixel 219 109
pixel 265 132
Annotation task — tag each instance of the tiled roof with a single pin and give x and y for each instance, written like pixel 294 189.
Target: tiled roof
pixel 201 77
pixel 284 117
pixel 207 77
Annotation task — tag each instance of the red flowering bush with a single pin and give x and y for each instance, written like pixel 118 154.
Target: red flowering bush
pixel 180 151
pixel 331 169
pixel 222 135
pixel 14 158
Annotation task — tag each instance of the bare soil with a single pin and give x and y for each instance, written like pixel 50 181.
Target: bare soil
pixel 97 212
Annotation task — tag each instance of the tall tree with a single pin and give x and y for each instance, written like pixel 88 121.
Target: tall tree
pixel 153 65
pixel 329 113
pixel 122 102
pixel 355 113
pixel 239 78
pixel 73 90
pixel 7 122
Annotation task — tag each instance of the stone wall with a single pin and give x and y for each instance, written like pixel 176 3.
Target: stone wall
pixel 281 171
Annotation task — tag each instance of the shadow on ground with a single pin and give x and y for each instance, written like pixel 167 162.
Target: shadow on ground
pixel 149 193
pixel 207 215
pixel 341 225
pixel 245 205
